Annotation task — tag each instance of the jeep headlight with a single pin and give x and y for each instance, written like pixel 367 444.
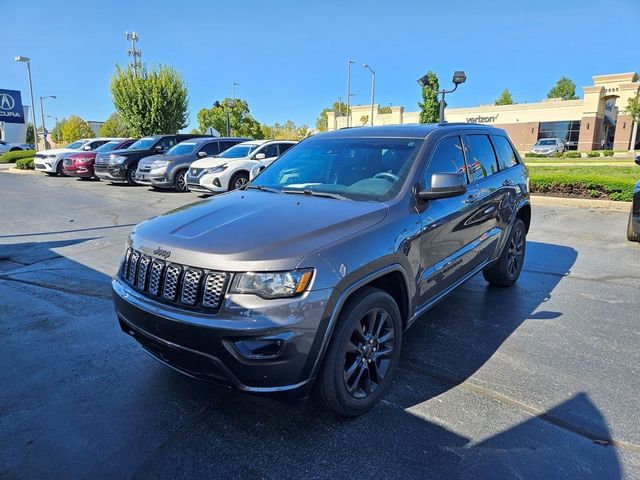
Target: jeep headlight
pixel 272 284
pixel 219 169
pixel 116 159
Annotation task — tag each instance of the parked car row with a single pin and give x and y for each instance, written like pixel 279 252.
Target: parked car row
pixel 14 147
pixel 180 162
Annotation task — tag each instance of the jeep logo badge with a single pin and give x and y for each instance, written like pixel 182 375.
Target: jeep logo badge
pixel 162 253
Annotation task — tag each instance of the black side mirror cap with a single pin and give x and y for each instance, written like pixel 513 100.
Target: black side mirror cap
pixel 638 159
pixel 444 185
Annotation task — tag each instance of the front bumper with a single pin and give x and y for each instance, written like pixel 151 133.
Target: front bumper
pixel 113 173
pixel 48 165
pixel 205 345
pixel 153 179
pixel 205 184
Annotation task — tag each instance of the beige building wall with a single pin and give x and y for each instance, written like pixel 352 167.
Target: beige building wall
pixel 522 120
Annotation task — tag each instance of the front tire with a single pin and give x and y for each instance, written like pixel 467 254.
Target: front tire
pixel 363 353
pixel 238 180
pixel 60 169
pixel 131 176
pixel 632 236
pixel 180 181
pixel 505 272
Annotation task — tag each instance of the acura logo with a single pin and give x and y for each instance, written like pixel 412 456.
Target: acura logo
pixel 6 101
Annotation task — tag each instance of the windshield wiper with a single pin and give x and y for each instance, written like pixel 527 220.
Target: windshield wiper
pixel 316 193
pixel 262 189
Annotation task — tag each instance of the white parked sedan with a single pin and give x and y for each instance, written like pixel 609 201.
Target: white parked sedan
pixel 230 169
pixel 50 161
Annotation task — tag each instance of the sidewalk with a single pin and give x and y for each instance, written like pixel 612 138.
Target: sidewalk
pixel 580 202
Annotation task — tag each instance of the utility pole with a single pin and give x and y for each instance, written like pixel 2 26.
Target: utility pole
pixel 349 91
pixel 133 52
pixel 373 88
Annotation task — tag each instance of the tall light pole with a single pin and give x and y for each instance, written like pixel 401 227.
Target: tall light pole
pixel 27 60
pixel 56 127
pixel 44 129
pixel 349 91
pixel 373 88
pixel 234 90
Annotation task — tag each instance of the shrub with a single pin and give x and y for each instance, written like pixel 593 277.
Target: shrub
pixel 592 154
pixel 25 164
pixel 607 153
pixel 534 155
pixel 573 155
pixel 581 185
pixel 558 155
pixel 10 157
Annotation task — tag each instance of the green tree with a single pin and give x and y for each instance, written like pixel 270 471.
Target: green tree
pixel 152 102
pixel 383 110
pixel 75 128
pixel 241 123
pixel 286 131
pixel 565 89
pixel 114 127
pixel 633 108
pixel 30 138
pixel 505 98
pixel 339 108
pixel 430 107
pixel 56 132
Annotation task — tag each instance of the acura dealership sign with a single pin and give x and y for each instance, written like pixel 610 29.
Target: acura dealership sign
pixel 11 110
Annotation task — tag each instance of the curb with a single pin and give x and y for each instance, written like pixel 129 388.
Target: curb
pixel 17 171
pixel 581 202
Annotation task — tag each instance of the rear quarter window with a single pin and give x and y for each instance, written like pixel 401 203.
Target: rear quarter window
pixel 507 157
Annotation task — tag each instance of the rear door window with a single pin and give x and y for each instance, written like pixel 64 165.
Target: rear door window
pixel 270 151
pixel 284 147
pixel 212 148
pixel 481 159
pixel 167 142
pixel 506 156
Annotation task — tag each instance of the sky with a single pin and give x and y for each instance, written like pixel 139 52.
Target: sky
pixel 290 57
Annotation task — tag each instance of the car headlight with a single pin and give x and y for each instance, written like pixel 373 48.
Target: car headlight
pixel 219 169
pixel 51 156
pixel 272 284
pixel 159 164
pixel 116 159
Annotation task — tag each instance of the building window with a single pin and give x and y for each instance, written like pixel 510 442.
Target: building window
pixel 568 132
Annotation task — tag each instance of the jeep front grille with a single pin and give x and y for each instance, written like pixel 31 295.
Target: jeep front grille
pixel 174 283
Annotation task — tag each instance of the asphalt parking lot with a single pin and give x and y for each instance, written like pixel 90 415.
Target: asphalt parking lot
pixel 538 381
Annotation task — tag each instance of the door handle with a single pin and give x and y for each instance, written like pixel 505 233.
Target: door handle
pixel 471 199
pixel 507 183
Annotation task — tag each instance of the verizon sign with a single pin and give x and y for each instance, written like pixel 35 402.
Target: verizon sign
pixel 483 119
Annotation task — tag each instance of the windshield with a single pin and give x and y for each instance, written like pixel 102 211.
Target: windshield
pixel 181 149
pixel 546 142
pixel 76 145
pixel 107 147
pixel 143 144
pixel 238 151
pixel 366 169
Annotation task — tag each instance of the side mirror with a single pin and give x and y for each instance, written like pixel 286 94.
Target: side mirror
pixel 260 156
pixel 158 148
pixel 444 185
pixel 86 148
pixel 638 159
pixel 202 154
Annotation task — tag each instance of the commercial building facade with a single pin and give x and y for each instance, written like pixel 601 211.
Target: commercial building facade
pixel 599 120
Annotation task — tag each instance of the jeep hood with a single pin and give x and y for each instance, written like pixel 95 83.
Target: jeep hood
pixel 252 230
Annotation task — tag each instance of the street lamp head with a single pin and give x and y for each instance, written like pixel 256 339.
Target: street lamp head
pixel 22 59
pixel 216 104
pixel 422 81
pixel 459 77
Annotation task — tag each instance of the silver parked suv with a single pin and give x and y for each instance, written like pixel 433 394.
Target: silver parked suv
pixel 310 275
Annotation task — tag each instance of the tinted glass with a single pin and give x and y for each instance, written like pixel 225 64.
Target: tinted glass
pixel 270 150
pixel 212 148
pixel 446 158
pixel 76 145
pixel 167 142
pixel 365 169
pixel 567 131
pixel 181 148
pixel 284 147
pixel 96 144
pixel 506 156
pixel 482 159
pixel 238 151
pixel 226 145
pixel 143 144
pixel 107 147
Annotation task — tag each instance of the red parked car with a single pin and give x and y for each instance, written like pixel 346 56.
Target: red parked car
pixel 81 164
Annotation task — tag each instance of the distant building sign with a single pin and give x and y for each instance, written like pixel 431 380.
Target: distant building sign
pixel 11 110
pixel 483 119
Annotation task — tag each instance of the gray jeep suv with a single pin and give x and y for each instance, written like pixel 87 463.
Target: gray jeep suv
pixel 310 275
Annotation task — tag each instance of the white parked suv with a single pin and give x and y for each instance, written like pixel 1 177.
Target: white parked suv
pixel 230 169
pixel 548 146
pixel 50 161
pixel 13 147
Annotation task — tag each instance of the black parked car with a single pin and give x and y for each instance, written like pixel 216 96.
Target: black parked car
pixel 121 165
pixel 169 170
pixel 313 271
pixel 633 229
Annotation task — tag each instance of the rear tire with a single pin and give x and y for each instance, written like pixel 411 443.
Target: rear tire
pixel 631 235
pixel 505 272
pixel 363 353
pixel 180 181
pixel 238 180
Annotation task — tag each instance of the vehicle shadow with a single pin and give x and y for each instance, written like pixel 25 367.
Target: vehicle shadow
pixel 83 401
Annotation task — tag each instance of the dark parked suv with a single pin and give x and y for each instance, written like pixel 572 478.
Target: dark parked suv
pixel 169 170
pixel 121 165
pixel 311 274
pixel 633 227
